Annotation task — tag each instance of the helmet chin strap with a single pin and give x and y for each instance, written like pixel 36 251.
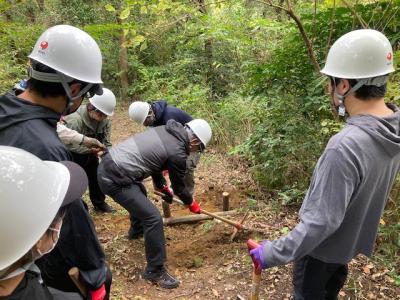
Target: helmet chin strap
pixel 64 80
pixel 341 98
pixel 67 89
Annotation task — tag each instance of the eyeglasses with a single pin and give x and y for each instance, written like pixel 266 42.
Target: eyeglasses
pixel 200 145
pixel 97 111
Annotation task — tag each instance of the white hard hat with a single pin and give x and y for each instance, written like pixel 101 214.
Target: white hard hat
pixel 105 102
pixel 201 129
pixel 69 51
pixel 363 53
pixel 138 111
pixel 32 191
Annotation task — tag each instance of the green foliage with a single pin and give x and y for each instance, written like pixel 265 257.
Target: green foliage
pixel 389 234
pixel 294 118
pixel 16 41
pixel 197 262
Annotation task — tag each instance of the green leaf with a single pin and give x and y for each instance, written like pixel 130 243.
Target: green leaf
pixel 143 46
pixel 109 7
pixel 143 10
pixel 285 230
pixel 139 38
pixel 125 13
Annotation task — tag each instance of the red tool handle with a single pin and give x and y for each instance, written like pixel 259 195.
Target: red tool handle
pixel 255 285
pixel 252 244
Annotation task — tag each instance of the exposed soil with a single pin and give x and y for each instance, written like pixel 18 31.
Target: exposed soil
pixel 201 254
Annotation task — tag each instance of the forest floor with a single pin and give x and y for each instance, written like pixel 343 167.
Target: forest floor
pixel 201 255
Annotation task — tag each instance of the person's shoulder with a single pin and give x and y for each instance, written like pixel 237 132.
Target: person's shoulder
pixel 42 139
pixel 7 95
pixel 347 136
pixel 30 288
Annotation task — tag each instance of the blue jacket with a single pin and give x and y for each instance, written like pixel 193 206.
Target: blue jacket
pixel 165 112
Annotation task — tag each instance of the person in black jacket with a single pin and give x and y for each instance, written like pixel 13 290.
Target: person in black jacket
pixel 65 67
pixel 35 194
pixel 145 154
pixel 157 113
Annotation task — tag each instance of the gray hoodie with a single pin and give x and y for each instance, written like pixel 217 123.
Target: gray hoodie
pixel 349 188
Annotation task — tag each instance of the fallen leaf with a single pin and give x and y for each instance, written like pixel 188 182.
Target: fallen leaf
pixel 215 292
pixel 370 266
pixel 366 270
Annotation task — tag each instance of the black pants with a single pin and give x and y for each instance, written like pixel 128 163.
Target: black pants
pixel 316 280
pixel 134 200
pixel 90 162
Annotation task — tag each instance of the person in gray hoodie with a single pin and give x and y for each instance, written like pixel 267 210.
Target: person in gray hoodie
pixel 125 166
pixel 352 180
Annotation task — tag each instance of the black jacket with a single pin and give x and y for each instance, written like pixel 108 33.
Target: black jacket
pixel 33 128
pixel 29 289
pixel 165 112
pixel 150 152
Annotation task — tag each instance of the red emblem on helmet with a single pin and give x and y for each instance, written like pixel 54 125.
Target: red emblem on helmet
pixel 44 45
pixel 389 56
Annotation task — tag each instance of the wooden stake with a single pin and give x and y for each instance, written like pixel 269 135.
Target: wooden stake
pixel 225 201
pixel 166 210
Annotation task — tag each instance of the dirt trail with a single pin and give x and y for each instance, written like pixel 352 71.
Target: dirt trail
pixel 201 255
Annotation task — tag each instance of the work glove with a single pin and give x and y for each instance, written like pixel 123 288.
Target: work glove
pixel 98 294
pixel 168 193
pixel 194 207
pixel 93 144
pixel 257 256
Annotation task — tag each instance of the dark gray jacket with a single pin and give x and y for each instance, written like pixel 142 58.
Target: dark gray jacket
pixel 33 128
pixel 340 214
pixel 150 152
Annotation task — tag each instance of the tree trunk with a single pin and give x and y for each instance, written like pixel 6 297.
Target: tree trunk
pixel 123 66
pixel 41 5
pixel 208 53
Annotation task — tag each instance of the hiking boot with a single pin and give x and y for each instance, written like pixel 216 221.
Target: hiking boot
pixel 161 278
pixel 135 233
pixel 104 207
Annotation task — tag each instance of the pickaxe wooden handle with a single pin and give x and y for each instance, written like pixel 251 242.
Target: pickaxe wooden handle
pixel 74 275
pixel 235 224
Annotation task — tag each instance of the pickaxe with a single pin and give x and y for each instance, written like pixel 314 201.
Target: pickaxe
pixel 237 225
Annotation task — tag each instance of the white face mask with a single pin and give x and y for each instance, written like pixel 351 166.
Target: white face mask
pixel 54 242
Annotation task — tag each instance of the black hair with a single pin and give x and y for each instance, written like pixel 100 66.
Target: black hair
pixel 365 92
pixel 44 88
